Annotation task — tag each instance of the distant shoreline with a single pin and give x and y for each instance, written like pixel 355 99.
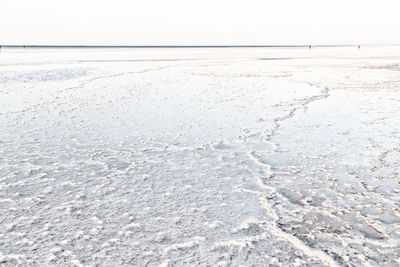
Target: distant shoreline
pixel 178 46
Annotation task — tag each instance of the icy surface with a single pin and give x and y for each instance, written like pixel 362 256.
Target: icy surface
pixel 201 157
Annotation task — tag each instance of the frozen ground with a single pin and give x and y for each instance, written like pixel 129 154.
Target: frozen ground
pixel 200 157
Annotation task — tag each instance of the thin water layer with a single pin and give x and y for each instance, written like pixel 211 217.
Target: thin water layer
pixel 220 159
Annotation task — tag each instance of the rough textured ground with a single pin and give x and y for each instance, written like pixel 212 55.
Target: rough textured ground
pixel 192 157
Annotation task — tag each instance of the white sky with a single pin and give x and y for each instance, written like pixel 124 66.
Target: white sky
pixel 201 22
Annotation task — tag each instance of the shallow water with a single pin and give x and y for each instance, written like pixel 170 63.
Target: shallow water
pixel 200 157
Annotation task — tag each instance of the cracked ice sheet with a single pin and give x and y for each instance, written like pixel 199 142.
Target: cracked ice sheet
pixel 223 159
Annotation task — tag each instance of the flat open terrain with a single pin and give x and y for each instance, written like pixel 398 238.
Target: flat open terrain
pixel 200 157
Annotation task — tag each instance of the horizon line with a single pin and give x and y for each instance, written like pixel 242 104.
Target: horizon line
pixel 190 46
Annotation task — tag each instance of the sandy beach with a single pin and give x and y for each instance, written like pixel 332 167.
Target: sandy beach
pixel 200 157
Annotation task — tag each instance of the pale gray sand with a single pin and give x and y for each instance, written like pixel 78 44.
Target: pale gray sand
pixel 111 159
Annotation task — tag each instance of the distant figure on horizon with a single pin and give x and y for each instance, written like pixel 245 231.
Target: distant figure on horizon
pixel 310 47
pixel 359 46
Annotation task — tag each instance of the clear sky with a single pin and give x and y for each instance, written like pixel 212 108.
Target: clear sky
pixel 201 22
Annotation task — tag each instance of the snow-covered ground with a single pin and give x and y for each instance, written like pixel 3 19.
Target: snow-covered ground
pixel 200 157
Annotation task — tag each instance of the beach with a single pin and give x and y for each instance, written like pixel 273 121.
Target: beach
pixel 200 157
